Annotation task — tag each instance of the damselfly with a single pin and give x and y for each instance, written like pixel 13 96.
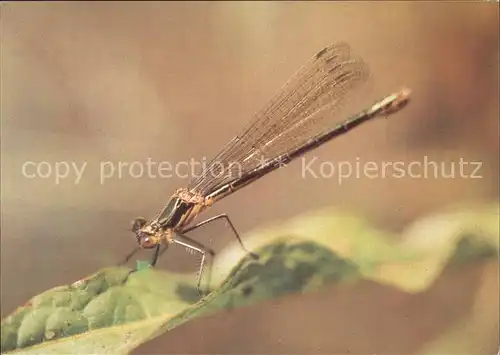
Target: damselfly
pixel 299 118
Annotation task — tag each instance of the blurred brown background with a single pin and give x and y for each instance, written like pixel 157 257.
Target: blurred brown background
pixel 170 81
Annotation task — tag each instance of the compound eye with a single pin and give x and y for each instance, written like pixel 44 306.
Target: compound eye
pixel 138 224
pixel 148 242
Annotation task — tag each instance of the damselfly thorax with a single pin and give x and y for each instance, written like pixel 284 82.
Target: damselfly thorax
pixel 179 212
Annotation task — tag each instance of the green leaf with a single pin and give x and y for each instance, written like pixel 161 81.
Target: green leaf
pixel 111 310
pixel 115 310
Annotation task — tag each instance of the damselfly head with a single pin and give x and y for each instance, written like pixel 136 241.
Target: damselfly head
pixel 147 240
pixel 138 223
pixel 146 235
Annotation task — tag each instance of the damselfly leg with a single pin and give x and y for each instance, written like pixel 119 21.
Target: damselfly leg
pixel 154 259
pixel 231 225
pixel 199 248
pixel 156 254
pixel 194 246
pixel 130 255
